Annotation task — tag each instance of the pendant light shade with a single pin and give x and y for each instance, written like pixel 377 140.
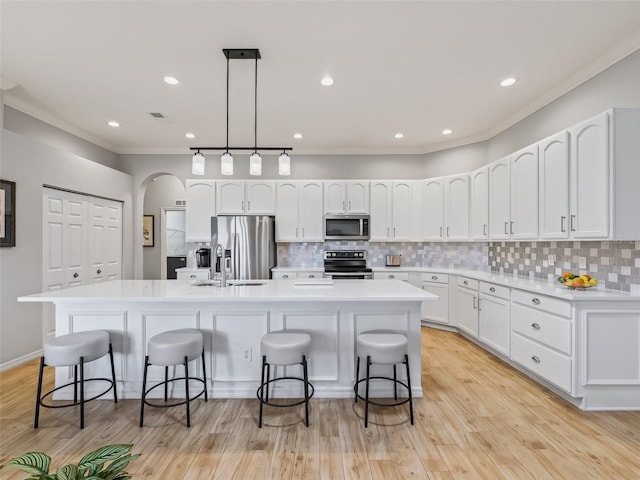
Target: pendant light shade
pixel 284 164
pixel 226 164
pixel 255 164
pixel 197 164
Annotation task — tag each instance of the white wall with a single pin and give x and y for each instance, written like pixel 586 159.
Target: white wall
pixel 31 165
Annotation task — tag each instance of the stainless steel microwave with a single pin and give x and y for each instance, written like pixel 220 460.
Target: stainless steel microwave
pixel 346 227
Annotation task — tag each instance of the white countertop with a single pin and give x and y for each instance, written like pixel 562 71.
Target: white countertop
pixel 271 291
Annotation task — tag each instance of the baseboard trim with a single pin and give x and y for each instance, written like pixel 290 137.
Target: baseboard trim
pixel 20 360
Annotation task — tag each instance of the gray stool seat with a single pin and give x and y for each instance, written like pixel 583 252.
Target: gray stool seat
pixel 66 350
pixel 76 350
pixel 170 348
pixel 282 349
pixel 385 348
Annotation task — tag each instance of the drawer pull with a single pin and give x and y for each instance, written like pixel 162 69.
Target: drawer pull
pixel 474 302
pixel 392 276
pixel 312 276
pixel 492 289
pixel 536 300
pixel 536 359
pixel 76 275
pixel 192 276
pixel 99 272
pixel 434 277
pixel 536 326
pixel 285 276
pixel 466 282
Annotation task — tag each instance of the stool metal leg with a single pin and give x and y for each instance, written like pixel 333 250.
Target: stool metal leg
pixel 204 376
pixel 75 384
pixel 39 393
pixel 113 375
pixel 406 362
pixel 357 385
pixel 395 383
pixel 262 386
pixel 269 378
pixel 186 389
pixel 81 392
pixel 305 374
pixel 366 395
pixel 166 383
pixel 144 389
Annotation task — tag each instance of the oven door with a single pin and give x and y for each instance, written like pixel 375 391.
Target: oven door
pixel 348 275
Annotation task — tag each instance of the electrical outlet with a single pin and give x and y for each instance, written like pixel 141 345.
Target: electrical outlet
pixel 247 354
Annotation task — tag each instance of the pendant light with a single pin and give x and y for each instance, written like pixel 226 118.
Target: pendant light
pixel 255 160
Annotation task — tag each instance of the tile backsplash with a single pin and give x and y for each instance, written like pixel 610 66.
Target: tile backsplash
pixel 615 264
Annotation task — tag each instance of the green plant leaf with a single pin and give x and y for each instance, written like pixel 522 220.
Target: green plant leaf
pixel 35 463
pixel 68 472
pixel 115 469
pixel 104 454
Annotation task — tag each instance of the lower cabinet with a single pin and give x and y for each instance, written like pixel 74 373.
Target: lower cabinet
pixel 438 310
pixel 494 320
pixel 192 274
pixel 467 306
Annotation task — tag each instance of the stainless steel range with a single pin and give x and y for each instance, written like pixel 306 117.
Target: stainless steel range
pixel 346 264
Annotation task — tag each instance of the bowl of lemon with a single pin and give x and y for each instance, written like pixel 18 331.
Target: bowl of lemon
pixel 577 282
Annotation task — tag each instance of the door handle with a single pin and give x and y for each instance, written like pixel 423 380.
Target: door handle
pixel 535 326
pixel 492 289
pixel 447 232
pixel 479 304
pixel 394 231
pixel 562 219
pixel 536 359
pixel 248 205
pixel 440 232
pixel 76 275
pixel 484 229
pixel 242 205
pixel 535 301
pixel 99 272
pixel 572 226
pixel 511 228
pixel 474 302
pixel 505 228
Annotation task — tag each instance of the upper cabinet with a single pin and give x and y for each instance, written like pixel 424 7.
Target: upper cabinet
pixel 299 211
pixel 432 203
pixel 479 204
pixel 499 199
pixel 456 207
pixel 246 197
pixel 346 197
pixel 554 186
pixel 391 204
pixel 201 206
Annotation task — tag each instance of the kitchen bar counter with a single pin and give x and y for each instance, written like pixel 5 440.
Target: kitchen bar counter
pixel 233 319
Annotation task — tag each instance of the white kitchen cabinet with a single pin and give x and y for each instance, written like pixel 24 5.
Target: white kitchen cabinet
pixel 467 305
pixel 299 211
pixel 523 224
pixel 391 204
pixel 246 197
pixel 554 186
pixel 193 274
pixel 438 310
pixel 494 318
pixel 456 207
pixel 200 207
pixel 432 219
pixel 346 197
pixel 480 204
pixel 387 275
pixel 284 275
pixel 499 199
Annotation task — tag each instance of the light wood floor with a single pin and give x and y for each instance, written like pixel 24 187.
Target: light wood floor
pixel 479 419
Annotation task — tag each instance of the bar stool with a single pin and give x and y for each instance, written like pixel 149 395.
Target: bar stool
pixel 385 348
pixel 75 349
pixel 167 349
pixel 284 348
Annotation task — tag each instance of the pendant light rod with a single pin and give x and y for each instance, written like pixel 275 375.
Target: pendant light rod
pixel 255 103
pixel 227 103
pixel 242 148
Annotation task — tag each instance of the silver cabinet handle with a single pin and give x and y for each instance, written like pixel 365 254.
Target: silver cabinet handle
pixel 99 271
pixel 572 226
pixel 192 276
pixel 76 275
pixel 394 231
pixel 447 231
pixel 302 232
pixel 535 300
pixel 343 205
pixel 562 219
pixel 492 289
pixel 242 204
pixel 349 204
pixel 466 282
pixel 296 232
pixel 511 228
pixel 285 276
pixel 440 232
pixel 479 304
pixel 312 276
pixel 484 229
pixel 505 228
pixel 434 277
pixel 536 359
pixel 474 302
pixel 392 276
pixel 536 326
pixel 387 231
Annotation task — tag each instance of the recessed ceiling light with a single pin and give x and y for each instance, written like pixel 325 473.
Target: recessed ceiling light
pixel 189 135
pixel 171 80
pixel 297 136
pixel 508 81
pixel 326 81
pixel 447 131
pixel 399 135
pixel 113 123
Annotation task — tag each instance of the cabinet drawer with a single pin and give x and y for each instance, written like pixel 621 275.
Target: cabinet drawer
pixel 467 283
pixel 435 277
pixel 391 275
pixel 308 274
pixel 284 275
pixel 550 365
pixel 542 302
pixel 499 291
pixel 193 275
pixel 550 330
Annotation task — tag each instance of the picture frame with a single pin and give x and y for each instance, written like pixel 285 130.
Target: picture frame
pixel 148 231
pixel 7 213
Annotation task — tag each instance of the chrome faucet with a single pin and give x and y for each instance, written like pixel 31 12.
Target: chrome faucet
pixel 221 262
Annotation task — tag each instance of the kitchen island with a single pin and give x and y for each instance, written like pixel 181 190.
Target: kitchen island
pixel 233 319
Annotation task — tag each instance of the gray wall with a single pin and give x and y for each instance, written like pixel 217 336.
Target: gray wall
pixel 32 164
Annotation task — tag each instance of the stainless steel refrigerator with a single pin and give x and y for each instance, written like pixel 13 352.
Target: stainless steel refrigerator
pixel 249 243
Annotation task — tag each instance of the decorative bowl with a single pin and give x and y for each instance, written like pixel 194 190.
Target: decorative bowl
pixel 577 282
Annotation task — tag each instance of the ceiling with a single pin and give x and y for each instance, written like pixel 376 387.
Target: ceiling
pixel 414 67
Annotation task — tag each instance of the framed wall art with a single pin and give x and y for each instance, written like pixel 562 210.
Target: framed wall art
pixel 7 213
pixel 147 231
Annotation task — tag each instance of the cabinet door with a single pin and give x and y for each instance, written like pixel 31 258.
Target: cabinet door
pixel 357 197
pixel 554 186
pixel 380 203
pixel 201 206
pixel 433 209
pixel 499 199
pixel 494 323
pixel 438 310
pixel 230 198
pixel 590 178
pixel 480 204
pixel 466 303
pixel 524 194
pixel 287 212
pixel 260 197
pixel 310 212
pixel 334 197
pixel 402 211
pixel 456 207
